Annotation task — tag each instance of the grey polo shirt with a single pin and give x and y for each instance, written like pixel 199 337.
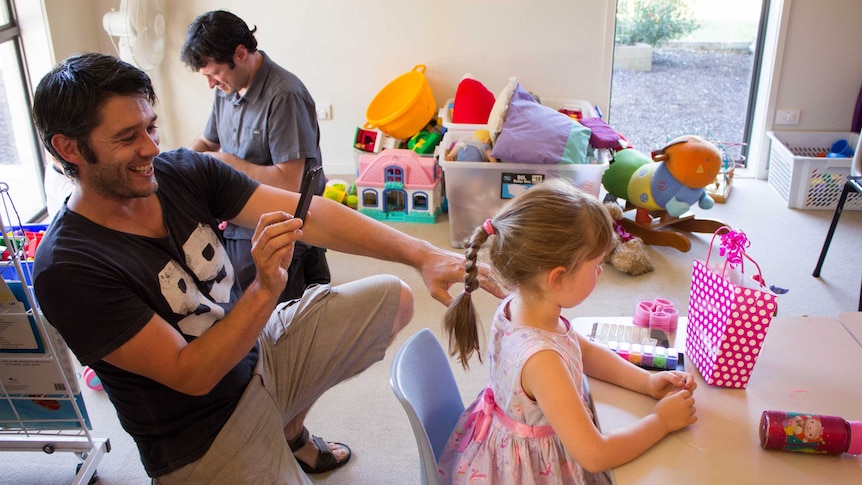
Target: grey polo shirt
pixel 275 121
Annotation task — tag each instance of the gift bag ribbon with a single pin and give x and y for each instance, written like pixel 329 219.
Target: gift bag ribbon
pixel 732 246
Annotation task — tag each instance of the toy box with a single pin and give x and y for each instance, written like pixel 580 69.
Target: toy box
pixel 804 179
pixel 476 190
pixel 30 236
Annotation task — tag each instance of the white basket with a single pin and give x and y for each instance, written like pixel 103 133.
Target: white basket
pixel 805 180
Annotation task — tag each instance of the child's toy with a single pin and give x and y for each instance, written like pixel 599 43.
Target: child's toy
pixel 403 106
pixel 629 254
pixel 656 313
pixel 373 141
pixel 471 148
pixel 664 187
pixel 424 142
pixel 92 380
pixel 336 189
pixel 339 191
pixel 399 185
pixel 685 166
pixel 642 347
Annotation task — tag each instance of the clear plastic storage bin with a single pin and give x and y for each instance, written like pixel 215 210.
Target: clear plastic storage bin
pixel 476 190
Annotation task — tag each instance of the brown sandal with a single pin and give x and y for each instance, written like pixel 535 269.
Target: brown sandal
pixel 326 460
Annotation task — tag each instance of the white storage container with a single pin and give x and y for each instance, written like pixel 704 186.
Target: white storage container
pixel 805 180
pixel 476 190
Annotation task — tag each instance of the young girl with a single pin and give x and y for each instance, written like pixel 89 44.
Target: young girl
pixel 532 425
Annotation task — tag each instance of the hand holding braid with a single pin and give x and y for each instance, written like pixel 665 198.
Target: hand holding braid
pixel 461 320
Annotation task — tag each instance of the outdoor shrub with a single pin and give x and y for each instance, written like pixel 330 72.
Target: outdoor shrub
pixel 653 22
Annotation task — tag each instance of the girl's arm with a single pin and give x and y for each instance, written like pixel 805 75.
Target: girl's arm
pixel 601 363
pixel 546 379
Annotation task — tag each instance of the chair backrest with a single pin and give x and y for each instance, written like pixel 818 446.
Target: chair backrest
pixel 856 166
pixel 422 380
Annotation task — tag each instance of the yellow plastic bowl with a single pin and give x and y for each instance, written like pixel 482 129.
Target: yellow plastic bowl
pixel 403 107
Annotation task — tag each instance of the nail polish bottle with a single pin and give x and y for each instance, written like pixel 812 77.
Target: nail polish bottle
pixel 810 433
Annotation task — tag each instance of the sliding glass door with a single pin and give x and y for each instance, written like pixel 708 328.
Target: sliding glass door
pixel 686 67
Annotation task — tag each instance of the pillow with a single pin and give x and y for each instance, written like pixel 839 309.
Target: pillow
pixel 534 133
pixel 473 102
pixel 602 135
pixel 498 111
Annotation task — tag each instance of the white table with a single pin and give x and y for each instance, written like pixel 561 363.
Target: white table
pixel 806 365
pixel 852 321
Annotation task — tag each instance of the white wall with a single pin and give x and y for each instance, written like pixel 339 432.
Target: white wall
pixel 346 51
pixel 821 72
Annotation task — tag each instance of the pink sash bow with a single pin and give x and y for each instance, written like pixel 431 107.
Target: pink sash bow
pixel 483 415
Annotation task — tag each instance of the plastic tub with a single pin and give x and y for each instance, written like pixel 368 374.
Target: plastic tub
pixel 404 106
pixel 476 190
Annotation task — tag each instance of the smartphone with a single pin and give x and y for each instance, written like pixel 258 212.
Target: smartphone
pixel 309 182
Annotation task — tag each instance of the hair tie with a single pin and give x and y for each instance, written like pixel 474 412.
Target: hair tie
pixel 489 229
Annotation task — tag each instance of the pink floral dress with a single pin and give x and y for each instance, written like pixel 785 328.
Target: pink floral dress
pixel 503 437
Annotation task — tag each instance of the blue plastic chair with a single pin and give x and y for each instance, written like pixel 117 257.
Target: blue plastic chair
pixel 422 380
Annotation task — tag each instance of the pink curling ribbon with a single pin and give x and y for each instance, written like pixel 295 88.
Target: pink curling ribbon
pixel 483 415
pixel 733 244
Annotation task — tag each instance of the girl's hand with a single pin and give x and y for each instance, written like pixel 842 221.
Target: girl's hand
pixel 662 383
pixel 676 410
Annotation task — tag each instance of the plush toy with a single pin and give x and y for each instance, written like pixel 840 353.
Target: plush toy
pixel 471 148
pixel 674 183
pixel 629 254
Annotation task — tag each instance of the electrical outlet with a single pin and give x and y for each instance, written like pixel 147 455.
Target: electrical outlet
pixel 787 117
pixel 324 111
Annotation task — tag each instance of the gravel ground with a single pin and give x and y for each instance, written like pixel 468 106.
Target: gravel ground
pixel 687 92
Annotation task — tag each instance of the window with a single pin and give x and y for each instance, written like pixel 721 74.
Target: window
pixel 369 198
pixel 394 174
pixel 21 158
pixel 420 201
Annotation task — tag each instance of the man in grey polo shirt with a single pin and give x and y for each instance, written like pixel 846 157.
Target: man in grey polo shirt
pixel 263 123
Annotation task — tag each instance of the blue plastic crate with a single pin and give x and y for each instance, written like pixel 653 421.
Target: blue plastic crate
pixel 7 269
pixel 9 273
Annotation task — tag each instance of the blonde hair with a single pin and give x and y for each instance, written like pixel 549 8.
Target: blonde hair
pixel 552 224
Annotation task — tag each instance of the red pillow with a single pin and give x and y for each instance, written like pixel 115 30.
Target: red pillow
pixel 473 102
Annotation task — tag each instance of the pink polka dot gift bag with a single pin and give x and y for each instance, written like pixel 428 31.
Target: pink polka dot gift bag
pixel 729 313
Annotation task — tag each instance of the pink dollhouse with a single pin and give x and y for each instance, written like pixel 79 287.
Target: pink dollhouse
pixel 400 186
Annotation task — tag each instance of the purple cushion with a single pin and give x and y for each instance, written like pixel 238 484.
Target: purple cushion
pixel 534 133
